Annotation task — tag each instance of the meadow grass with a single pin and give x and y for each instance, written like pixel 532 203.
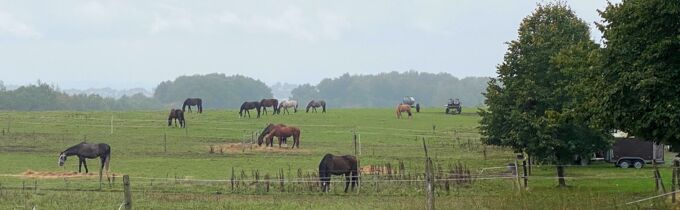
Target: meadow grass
pixel 173 168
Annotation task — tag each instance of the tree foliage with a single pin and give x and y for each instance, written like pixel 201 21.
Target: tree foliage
pixel 41 97
pixel 535 105
pixel 642 68
pixel 388 89
pixel 216 90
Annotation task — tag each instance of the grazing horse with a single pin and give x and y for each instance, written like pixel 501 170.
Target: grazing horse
pixel 288 104
pixel 316 103
pixel 178 115
pixel 267 129
pixel 264 103
pixel 282 132
pixel 88 151
pixel 338 165
pixel 403 108
pixel 193 102
pixel 248 105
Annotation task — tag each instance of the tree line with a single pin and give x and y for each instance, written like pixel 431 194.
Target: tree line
pixel 388 89
pixel 559 94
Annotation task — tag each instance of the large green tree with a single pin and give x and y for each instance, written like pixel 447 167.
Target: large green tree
pixel 534 104
pixel 216 90
pixel 642 68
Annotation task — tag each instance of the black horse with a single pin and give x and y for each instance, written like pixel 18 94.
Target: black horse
pixel 248 105
pixel 316 103
pixel 178 115
pixel 338 165
pixel 193 102
pixel 88 151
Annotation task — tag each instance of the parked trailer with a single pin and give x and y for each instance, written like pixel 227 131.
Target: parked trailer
pixel 635 152
pixel 409 100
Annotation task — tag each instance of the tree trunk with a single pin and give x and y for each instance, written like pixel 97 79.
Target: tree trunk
pixel 560 176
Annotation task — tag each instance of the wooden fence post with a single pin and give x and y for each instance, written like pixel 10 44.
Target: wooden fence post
pixel 165 142
pixel 429 187
pixel 128 193
pixel 111 124
pixel 524 168
pixel 674 180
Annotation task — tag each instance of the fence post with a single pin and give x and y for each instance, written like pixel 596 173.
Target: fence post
pixel 429 187
pixel 356 154
pixel 128 193
pixel 111 124
pixel 524 168
pixel 674 180
pixel 165 142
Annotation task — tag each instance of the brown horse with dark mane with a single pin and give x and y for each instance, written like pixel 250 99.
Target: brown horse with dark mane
pixel 338 165
pixel 178 116
pixel 269 103
pixel 404 108
pixel 282 132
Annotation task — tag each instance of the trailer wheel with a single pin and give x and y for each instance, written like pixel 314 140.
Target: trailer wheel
pixel 638 164
pixel 624 164
pixel 447 110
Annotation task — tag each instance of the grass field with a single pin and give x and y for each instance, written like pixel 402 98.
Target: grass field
pixel 173 168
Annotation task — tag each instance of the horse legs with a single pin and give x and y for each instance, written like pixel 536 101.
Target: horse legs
pixel 347 178
pixel 85 164
pixel 80 164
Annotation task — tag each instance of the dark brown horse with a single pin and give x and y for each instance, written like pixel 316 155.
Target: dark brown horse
pixel 317 103
pixel 269 103
pixel 193 102
pixel 282 132
pixel 338 165
pixel 88 151
pixel 178 116
pixel 404 108
pixel 248 105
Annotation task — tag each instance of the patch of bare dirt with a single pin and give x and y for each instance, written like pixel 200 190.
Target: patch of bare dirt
pixel 235 148
pixel 59 174
pixel 371 169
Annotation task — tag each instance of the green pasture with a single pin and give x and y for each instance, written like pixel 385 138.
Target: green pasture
pixel 174 168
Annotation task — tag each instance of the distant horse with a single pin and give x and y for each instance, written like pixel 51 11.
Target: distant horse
pixel 338 165
pixel 269 103
pixel 178 116
pixel 88 151
pixel 316 103
pixel 282 132
pixel 288 104
pixel 403 108
pixel 193 102
pixel 248 105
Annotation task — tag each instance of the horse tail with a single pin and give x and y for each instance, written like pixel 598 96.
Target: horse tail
pixel 106 162
pixel 199 103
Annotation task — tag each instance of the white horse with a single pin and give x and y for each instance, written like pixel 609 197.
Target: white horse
pixel 285 104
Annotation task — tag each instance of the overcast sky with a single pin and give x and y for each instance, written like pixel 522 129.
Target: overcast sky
pixel 126 44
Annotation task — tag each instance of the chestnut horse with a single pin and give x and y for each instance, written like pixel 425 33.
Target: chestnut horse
pixel 403 108
pixel 282 132
pixel 264 103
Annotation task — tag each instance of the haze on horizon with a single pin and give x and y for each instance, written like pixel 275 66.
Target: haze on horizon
pixel 129 44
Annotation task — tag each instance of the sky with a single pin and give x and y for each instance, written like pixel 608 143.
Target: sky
pixel 138 43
